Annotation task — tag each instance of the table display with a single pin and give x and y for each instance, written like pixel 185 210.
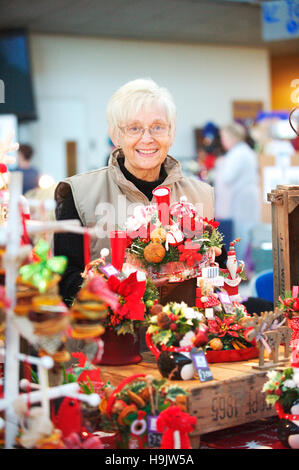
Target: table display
pixel 203 370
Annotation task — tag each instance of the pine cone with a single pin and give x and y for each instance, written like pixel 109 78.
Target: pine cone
pixel 163 320
pixel 209 229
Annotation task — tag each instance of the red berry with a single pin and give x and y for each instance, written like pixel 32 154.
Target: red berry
pixel 278 392
pixel 173 326
pixel 296 305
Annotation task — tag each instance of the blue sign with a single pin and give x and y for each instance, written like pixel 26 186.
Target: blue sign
pixel 280 20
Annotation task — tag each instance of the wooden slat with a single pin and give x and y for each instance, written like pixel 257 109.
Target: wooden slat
pixel 285 240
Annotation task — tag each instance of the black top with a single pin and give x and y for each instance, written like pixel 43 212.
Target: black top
pixel 146 187
pixel 71 244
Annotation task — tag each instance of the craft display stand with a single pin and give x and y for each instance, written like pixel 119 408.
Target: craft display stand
pixel 10 235
pixel 233 397
pixel 285 244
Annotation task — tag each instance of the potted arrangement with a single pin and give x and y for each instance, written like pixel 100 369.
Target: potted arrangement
pixel 132 408
pixel 288 304
pixel 174 244
pixel 282 390
pixel 121 305
pixel 228 336
pixel 173 331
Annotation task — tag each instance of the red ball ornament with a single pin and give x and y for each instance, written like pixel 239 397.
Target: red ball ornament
pixel 3 168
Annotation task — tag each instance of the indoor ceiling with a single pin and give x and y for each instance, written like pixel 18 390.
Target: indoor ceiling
pixel 224 22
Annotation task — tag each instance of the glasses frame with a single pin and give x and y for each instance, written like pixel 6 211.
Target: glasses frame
pixel 123 129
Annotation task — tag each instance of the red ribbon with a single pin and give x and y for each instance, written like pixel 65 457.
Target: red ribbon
pixel 86 247
pixel 27 373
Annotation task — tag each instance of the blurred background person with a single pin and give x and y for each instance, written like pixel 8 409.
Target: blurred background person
pixel 208 151
pixel 30 173
pixel 239 172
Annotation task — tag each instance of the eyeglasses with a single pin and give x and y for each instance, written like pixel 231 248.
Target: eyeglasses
pixel 158 130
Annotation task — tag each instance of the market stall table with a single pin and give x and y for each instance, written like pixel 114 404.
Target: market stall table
pixel 233 397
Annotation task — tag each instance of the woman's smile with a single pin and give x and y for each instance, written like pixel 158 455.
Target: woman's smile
pixel 147 152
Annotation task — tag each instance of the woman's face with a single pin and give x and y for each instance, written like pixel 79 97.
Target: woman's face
pixel 144 154
pixel 227 140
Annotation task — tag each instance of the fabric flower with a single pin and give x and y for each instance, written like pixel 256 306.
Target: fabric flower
pixel 193 314
pixel 289 384
pixel 190 252
pixel 211 222
pixel 187 339
pixel 131 292
pixel 224 327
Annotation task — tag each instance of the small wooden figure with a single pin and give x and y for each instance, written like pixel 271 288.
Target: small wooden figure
pixel 285 340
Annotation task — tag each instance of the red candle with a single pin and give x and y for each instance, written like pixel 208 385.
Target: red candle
pixel 162 198
pixel 118 245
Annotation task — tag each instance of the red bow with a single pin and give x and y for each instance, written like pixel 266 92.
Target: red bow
pixel 132 292
pixel 189 253
pixel 212 222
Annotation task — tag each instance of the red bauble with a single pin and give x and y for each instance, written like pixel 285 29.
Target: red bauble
pixel 295 305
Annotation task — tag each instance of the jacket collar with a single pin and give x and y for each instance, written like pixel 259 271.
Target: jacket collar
pixel 171 165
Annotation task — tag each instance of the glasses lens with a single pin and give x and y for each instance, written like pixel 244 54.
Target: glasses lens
pixel 159 130
pixel 133 131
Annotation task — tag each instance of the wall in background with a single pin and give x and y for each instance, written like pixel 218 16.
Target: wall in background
pixel 283 71
pixel 75 77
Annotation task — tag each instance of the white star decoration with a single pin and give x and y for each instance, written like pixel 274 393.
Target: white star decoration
pixel 255 445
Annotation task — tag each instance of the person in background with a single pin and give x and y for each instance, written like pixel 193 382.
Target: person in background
pixel 30 173
pixel 208 152
pixel 239 172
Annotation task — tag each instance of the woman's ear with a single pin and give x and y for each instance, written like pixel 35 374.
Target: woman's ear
pixel 172 137
pixel 114 136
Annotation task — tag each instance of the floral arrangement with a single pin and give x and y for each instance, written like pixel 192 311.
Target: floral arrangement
pixel 288 304
pixel 135 300
pixel 228 331
pixel 176 325
pixel 177 249
pixel 127 407
pixel 85 374
pixel 282 388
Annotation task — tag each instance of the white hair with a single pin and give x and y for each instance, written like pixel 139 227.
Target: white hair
pixel 137 94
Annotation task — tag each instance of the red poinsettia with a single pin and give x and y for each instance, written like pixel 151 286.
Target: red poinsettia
pixel 190 252
pixel 227 326
pixel 212 222
pixel 131 291
pixel 88 374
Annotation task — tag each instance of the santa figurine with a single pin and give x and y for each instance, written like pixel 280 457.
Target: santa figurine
pixel 232 278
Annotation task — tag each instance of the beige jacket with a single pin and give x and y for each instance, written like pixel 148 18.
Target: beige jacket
pixel 94 189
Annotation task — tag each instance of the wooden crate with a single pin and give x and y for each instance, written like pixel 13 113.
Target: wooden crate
pixel 285 237
pixel 233 397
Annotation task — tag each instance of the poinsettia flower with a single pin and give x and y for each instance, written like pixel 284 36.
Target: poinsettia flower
pixel 131 291
pixel 81 358
pixel 224 327
pixel 189 252
pixel 212 222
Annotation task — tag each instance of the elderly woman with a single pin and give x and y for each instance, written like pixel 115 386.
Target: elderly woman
pixel 142 124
